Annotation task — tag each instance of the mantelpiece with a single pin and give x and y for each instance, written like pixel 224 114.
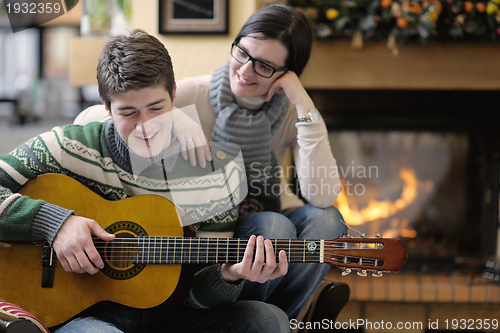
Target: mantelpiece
pixel 450 66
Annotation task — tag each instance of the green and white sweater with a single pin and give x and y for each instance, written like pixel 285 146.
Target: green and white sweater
pixel 96 156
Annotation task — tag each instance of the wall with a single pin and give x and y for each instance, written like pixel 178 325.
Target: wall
pixel 197 54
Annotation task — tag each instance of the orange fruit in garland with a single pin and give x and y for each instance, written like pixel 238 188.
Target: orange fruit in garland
pixel 402 22
pixel 438 5
pixel 385 3
pixel 468 6
pixel 415 8
pixel 480 7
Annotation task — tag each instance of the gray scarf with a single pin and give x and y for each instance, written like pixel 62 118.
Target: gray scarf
pixel 252 133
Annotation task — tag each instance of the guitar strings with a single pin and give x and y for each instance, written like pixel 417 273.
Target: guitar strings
pixel 173 261
pixel 233 254
pixel 231 249
pixel 233 259
pixel 178 259
pixel 194 241
pixel 150 257
pixel 179 250
pixel 183 244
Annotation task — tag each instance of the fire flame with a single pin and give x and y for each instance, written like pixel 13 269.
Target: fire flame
pixel 385 209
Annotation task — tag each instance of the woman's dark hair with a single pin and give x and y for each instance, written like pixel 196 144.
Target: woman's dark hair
pixel 133 62
pixel 287 25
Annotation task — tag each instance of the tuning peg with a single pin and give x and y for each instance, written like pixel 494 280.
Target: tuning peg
pixel 377 274
pixel 346 271
pixel 363 235
pixel 379 236
pixel 362 272
pixel 348 236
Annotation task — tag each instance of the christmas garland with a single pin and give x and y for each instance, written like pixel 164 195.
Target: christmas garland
pixel 402 20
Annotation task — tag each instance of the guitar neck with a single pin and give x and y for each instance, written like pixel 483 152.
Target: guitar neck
pixel 350 253
pixel 185 250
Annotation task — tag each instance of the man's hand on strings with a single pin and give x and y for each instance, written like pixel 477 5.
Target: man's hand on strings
pixel 74 246
pixel 261 269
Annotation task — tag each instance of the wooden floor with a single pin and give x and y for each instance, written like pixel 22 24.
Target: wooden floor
pixel 419 302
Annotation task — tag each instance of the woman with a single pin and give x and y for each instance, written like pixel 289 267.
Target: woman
pixel 257 101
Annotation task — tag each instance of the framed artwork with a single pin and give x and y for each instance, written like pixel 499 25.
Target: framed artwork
pixel 194 17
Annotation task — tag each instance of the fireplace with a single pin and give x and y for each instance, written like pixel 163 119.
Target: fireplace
pixel 420 165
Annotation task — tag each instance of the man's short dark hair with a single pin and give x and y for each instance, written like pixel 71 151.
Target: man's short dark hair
pixel 133 62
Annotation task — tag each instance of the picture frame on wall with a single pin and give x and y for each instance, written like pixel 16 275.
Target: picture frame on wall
pixel 194 17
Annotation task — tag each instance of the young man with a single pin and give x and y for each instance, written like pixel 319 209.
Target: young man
pixel 127 157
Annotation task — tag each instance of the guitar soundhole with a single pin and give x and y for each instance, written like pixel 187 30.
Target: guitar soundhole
pixel 120 254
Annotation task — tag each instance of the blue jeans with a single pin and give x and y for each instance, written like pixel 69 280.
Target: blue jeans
pixel 237 317
pixel 291 292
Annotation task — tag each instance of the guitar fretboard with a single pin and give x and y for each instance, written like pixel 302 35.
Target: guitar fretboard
pixel 182 250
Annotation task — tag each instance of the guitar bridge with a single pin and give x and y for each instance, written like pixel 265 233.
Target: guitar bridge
pixel 48 259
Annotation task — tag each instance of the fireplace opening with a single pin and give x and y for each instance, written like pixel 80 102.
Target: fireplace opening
pixel 408 185
pixel 421 166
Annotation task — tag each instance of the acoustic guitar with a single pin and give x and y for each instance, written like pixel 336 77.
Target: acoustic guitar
pixel 144 263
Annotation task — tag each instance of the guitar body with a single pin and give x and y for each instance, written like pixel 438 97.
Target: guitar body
pixel 139 287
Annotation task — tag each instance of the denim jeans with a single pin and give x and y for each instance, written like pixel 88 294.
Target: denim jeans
pixel 291 292
pixel 237 317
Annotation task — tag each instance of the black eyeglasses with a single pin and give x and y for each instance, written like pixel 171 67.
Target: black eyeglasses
pixel 260 68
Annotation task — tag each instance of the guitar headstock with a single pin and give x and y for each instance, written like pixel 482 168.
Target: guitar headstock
pixel 492 271
pixel 378 254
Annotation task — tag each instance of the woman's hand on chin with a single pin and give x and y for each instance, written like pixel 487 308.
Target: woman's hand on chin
pixel 290 85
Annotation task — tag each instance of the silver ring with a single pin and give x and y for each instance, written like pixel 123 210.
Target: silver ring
pixel 188 141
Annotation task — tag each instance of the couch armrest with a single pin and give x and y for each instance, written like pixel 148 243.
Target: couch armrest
pixel 13 319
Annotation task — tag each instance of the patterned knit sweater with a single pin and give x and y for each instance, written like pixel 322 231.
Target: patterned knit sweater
pixel 96 156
